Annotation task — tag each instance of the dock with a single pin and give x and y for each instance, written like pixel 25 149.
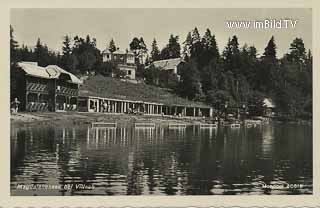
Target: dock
pixel 208 126
pixel 177 125
pixel 103 125
pixel 145 125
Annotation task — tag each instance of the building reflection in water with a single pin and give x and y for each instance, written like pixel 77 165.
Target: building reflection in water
pixel 133 161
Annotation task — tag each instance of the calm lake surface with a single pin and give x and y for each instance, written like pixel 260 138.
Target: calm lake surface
pixel 80 160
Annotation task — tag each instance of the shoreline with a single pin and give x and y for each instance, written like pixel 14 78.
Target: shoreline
pixel 79 118
pixel 85 118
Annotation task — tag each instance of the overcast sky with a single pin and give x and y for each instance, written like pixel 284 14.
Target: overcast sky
pixel 124 24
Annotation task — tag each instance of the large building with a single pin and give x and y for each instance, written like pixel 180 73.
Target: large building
pixel 124 59
pixel 48 88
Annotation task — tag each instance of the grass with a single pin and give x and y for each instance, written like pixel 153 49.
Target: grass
pixel 108 87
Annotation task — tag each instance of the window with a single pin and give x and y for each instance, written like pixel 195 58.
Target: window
pixel 129 72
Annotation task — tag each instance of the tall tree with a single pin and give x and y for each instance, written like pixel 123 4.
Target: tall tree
pixel 67 59
pixel 210 49
pixel 190 85
pixel 112 46
pixel 13 47
pixel 13 65
pixel 155 53
pixel 196 48
pixel 139 48
pixel 187 44
pixel 172 49
pixel 269 66
pixel 86 53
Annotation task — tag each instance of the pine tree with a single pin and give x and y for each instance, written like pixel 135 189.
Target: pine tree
pixel 231 56
pixel 13 65
pixel 210 51
pixel 67 60
pixel 155 53
pixel 66 47
pixel 187 44
pixel 196 48
pixel 297 52
pixel 13 47
pixel 112 46
pixel 172 49
pixel 270 51
pixel 195 36
pixel 268 73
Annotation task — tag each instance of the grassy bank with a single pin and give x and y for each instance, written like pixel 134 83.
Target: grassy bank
pixel 101 86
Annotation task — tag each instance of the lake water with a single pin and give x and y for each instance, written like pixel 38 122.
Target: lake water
pixel 80 160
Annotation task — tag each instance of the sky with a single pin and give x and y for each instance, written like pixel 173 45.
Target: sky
pixel 50 25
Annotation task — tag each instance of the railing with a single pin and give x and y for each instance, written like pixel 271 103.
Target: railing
pixel 65 90
pixel 37 87
pixel 66 107
pixel 35 106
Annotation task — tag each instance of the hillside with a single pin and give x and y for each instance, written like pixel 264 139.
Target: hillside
pixel 108 87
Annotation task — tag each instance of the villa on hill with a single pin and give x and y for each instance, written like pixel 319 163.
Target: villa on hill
pixel 125 60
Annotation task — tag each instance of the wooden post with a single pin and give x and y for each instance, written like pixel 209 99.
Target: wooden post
pixel 88 104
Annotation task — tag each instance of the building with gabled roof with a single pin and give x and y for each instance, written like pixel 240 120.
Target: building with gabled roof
pixel 171 66
pixel 168 64
pixel 48 88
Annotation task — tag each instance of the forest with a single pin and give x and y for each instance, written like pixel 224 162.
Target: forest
pixel 237 76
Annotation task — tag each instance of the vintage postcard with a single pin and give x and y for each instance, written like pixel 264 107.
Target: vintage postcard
pixel 160 106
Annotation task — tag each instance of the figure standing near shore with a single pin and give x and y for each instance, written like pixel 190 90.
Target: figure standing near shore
pixel 15 105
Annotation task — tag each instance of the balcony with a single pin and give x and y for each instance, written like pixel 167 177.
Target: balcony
pixel 35 87
pixel 66 91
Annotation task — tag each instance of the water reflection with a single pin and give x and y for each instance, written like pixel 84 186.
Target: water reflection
pixel 179 161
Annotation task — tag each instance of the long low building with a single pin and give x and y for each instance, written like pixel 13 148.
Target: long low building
pixel 111 105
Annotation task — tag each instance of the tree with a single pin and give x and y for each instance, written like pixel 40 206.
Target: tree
pixel 155 53
pixel 231 56
pixel 112 46
pixel 196 47
pixel 139 48
pixel 13 48
pixel 270 51
pixel 210 51
pixel 67 61
pixel 13 65
pixel 190 85
pixel 267 73
pixel 187 44
pixel 87 55
pixel 172 49
pixel 107 68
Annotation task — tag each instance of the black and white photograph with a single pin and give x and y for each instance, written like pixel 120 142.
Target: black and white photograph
pixel 161 101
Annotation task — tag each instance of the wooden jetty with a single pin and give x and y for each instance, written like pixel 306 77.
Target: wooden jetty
pixel 235 125
pixel 145 125
pixel 208 126
pixel 177 125
pixel 103 125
